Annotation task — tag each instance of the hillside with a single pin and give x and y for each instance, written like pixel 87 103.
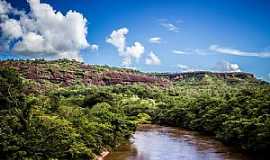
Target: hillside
pixel 67 73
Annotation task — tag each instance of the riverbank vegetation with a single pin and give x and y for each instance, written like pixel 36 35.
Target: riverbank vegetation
pixel 81 121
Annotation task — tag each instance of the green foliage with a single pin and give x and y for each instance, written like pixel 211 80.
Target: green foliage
pixel 143 118
pixel 10 89
pixel 80 122
pixel 58 125
pixel 95 97
pixel 237 114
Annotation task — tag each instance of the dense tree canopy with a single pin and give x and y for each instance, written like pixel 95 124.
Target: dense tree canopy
pixel 80 122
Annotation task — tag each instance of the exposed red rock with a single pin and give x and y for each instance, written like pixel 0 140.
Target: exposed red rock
pixel 66 73
pixel 75 72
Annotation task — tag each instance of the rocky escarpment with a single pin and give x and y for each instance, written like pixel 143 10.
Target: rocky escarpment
pixel 68 73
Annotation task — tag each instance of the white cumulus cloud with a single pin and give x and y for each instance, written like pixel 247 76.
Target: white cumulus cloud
pixel 32 43
pixel 94 47
pixel 44 31
pixel 232 51
pixel 152 59
pixel 136 50
pixel 4 7
pixel 11 28
pixel 224 66
pixel 118 40
pixel 156 40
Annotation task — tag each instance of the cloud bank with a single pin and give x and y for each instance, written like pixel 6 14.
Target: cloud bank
pixel 128 53
pixel 237 52
pixel 221 66
pixel 43 31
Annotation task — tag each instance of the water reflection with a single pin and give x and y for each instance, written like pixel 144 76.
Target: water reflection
pixel 152 142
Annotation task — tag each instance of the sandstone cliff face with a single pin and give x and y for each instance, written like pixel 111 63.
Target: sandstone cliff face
pixel 67 73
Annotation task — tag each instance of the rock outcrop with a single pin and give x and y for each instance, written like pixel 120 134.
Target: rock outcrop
pixel 67 73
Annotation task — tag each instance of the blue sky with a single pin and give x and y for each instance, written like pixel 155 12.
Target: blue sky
pixel 217 35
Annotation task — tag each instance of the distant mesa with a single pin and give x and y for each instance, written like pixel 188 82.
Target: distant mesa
pixel 199 75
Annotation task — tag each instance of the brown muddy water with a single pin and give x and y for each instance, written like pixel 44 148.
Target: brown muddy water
pixel 153 142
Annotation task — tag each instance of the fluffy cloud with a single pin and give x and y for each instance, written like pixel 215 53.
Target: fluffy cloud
pixel 224 66
pixel 6 8
pixel 152 59
pixel 131 52
pixel 44 31
pixel 118 40
pixel 11 28
pixel 237 52
pixel 32 43
pixel 156 40
pixel 94 47
pixel 136 50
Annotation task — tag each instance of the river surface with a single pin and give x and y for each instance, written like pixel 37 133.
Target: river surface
pixel 153 142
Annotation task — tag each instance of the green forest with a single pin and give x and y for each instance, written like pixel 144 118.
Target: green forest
pixel 81 121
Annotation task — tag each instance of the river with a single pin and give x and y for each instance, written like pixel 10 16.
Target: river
pixel 153 142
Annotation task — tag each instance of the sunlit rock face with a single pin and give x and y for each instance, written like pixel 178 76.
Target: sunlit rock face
pixel 68 73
